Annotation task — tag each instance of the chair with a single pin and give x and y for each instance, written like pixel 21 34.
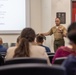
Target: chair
pixel 3 54
pixel 32 69
pixel 51 57
pixel 49 53
pixel 25 60
pixel 1 60
pixel 12 44
pixel 60 60
pixel 5 45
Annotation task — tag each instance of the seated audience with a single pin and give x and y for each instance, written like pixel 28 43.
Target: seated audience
pixel 40 40
pixel 64 51
pixel 26 47
pixel 2 48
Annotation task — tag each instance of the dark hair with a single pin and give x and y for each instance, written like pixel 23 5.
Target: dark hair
pixel 40 38
pixel 18 38
pixel 72 32
pixel 72 27
pixel 27 35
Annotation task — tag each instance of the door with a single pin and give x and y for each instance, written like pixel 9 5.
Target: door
pixel 73 11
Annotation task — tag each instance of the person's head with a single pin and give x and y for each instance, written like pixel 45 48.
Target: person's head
pixel 17 42
pixel 27 36
pixel 1 42
pixel 40 39
pixel 72 34
pixel 57 21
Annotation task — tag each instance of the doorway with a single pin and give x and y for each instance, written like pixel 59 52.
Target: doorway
pixel 73 11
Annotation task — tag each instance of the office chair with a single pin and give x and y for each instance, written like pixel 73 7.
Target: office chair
pixel 51 57
pixel 32 69
pixel 25 60
pixel 60 60
pixel 1 60
pixel 5 45
pixel 12 44
pixel 49 53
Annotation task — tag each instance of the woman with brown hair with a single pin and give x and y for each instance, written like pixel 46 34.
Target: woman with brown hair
pixel 26 47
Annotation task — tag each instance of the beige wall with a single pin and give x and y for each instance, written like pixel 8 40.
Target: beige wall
pixel 46 20
pixel 36 15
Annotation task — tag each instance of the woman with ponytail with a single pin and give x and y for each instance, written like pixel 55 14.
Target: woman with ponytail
pixel 27 47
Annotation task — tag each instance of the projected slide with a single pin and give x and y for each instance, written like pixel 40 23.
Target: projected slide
pixel 12 15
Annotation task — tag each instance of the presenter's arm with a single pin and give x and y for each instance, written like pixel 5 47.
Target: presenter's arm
pixel 50 32
pixel 64 32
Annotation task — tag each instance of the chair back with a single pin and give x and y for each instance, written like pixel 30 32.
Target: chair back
pixel 51 57
pixel 3 54
pixel 60 60
pixel 32 69
pixel 1 60
pixel 25 60
pixel 12 44
pixel 5 45
pixel 49 53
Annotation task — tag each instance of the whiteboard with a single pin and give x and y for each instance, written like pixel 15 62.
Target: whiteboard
pixel 12 16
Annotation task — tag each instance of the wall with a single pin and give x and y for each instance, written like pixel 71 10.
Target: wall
pixel 61 6
pixel 36 15
pixel 46 20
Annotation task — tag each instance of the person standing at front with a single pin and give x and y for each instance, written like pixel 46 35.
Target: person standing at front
pixel 59 32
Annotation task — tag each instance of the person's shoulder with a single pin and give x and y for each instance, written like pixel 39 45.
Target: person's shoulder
pixel 47 48
pixel 62 26
pixel 4 47
pixel 38 48
pixel 53 27
pixel 64 49
pixel 61 49
pixel 11 48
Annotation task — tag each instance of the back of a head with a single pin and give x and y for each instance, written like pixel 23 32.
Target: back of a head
pixel 28 33
pixel 72 27
pixel 72 32
pixel 39 38
pixel 1 42
pixel 18 38
pixel 27 36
